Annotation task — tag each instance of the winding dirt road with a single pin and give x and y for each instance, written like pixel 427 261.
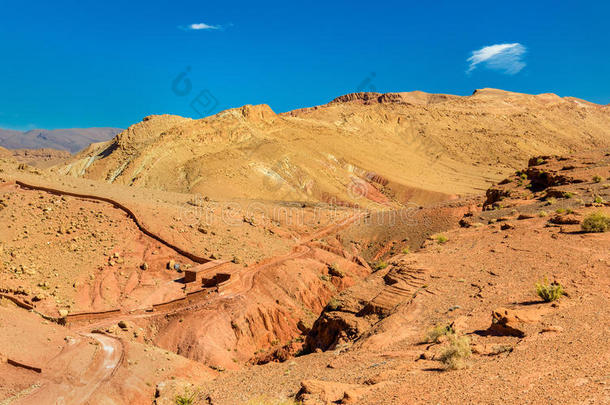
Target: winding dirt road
pixel 67 386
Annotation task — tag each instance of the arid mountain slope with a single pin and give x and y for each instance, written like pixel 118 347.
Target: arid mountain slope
pixel 5 153
pixel 72 139
pixel 368 149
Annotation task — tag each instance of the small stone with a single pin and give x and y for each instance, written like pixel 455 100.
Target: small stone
pixel 552 328
pixel 144 266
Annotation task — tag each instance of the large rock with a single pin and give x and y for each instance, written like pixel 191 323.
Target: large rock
pixel 317 392
pixel 510 322
pixel 333 328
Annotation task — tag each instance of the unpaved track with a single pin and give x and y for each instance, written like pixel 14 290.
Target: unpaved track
pixel 76 389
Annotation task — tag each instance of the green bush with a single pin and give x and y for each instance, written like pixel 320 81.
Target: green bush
pixel 188 397
pixel 334 270
pixel 441 239
pixel 435 333
pixel 596 222
pixel 381 265
pixel 333 304
pixel 456 356
pixel 549 292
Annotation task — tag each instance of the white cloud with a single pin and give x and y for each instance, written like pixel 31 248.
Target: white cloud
pixel 201 26
pixel 506 58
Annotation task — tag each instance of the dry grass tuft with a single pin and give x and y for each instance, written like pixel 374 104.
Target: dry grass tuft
pixel 549 292
pixel 596 222
pixel 442 239
pixel 435 333
pixel 457 355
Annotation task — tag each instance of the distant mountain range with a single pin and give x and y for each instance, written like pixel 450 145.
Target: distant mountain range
pixel 72 139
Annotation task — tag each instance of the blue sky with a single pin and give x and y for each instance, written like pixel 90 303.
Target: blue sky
pixel 73 64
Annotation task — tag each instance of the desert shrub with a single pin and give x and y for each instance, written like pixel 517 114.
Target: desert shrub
pixel 596 222
pixel 435 333
pixel 334 270
pixel 560 211
pixel 598 200
pixel 380 265
pixel 549 292
pixel 441 239
pixel 597 178
pixel 188 397
pixel 543 214
pixel 551 200
pixel 406 251
pixel 456 356
pixel 568 194
pixel 333 304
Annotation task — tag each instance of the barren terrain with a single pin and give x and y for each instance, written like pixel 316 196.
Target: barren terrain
pixel 315 257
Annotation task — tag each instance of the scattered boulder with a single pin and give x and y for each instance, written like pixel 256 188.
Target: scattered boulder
pixel 569 219
pixel 506 226
pixel 314 392
pixel 281 354
pixel 552 329
pixel 484 349
pixel 466 222
pixel 333 328
pixel 509 322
